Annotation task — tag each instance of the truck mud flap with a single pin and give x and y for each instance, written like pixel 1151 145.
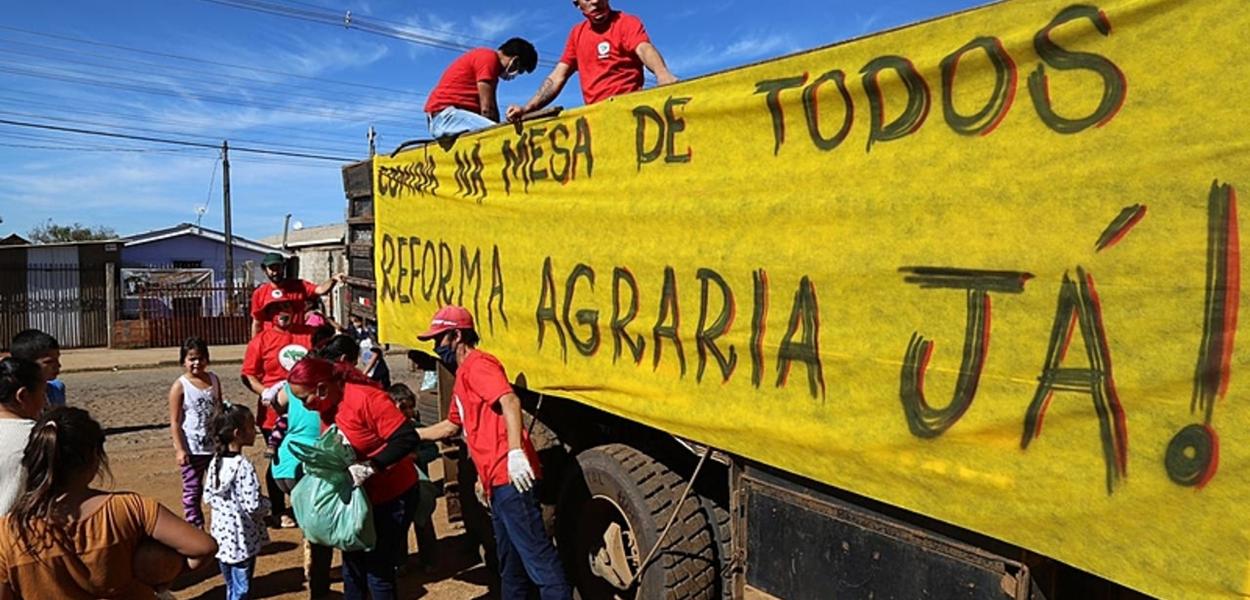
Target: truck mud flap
pixel 802 543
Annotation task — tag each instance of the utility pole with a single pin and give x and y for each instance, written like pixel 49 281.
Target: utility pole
pixel 373 137
pixel 225 187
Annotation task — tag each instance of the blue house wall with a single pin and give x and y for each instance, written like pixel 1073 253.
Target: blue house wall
pixel 188 247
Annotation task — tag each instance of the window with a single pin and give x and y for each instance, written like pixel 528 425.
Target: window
pixel 188 264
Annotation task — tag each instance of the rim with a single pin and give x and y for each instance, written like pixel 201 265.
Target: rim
pixel 605 550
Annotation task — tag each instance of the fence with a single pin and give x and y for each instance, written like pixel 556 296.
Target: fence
pixel 68 301
pixel 172 314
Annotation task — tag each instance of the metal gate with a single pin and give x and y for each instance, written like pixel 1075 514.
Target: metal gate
pixel 173 314
pixel 66 300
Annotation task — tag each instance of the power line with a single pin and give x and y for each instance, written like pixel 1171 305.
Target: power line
pixel 199 60
pixel 168 141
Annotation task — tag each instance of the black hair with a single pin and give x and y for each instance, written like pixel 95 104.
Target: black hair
pixel 340 348
pixel 402 394
pixel 469 336
pixel 524 52
pixel 231 419
pixel 193 343
pixel 63 442
pixel 322 334
pixel 15 374
pixel 33 344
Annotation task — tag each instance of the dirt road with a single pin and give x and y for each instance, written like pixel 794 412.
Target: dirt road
pixel 133 406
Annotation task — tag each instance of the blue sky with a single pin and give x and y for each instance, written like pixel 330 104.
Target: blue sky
pixel 207 70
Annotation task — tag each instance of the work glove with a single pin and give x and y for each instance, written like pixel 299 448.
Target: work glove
pixel 519 471
pixel 360 472
pixel 271 393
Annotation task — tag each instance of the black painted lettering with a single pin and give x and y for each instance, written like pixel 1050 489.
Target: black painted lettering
pixel 546 310
pixel 985 120
pixel 564 173
pixel 388 263
pixel 496 291
pixel 665 329
pixel 644 151
pixel 537 136
pixel 402 243
pixel 1115 87
pixel 620 320
pixel 429 278
pixel 804 315
pixel 586 316
pixel 811 109
pixel 705 335
pixel 583 147
pixel 470 273
pixel 413 243
pixel 676 125
pixel 917 109
pixel 759 323
pixel 446 272
pixel 772 89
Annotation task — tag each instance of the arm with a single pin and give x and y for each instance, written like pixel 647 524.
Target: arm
pixel 550 88
pixel 175 423
pixel 247 489
pixel 402 443
pixel 256 326
pixel 486 98
pixel 329 284
pixel 439 431
pixel 651 58
pixel 282 401
pixel 511 406
pixel 254 384
pixel 183 538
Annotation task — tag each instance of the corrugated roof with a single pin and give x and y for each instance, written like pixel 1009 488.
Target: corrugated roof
pixel 318 235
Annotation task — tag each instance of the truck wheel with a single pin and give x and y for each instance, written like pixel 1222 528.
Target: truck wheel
pixel 613 506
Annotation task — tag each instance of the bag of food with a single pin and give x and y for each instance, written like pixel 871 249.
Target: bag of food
pixel 331 511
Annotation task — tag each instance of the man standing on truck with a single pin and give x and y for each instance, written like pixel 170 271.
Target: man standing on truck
pixel 281 288
pixel 464 99
pixel 484 405
pixel 609 49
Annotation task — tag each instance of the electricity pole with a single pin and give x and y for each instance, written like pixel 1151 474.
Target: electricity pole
pixel 225 186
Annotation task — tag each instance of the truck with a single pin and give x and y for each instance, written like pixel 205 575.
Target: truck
pixel 730 306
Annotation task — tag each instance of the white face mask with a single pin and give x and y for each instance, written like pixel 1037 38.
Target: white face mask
pixel 508 74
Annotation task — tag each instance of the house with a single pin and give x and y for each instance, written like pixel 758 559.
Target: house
pixel 322 254
pixel 186 247
pixel 59 288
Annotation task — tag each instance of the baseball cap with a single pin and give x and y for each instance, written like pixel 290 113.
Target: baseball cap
pixel 272 258
pixel 446 319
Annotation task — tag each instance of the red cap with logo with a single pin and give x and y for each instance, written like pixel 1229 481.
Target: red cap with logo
pixel 446 319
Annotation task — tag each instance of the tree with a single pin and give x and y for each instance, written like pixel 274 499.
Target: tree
pixel 51 233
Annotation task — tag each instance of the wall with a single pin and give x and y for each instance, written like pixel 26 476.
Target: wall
pixel 319 263
pixel 190 247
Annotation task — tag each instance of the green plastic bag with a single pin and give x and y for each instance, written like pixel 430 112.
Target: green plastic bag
pixel 331 511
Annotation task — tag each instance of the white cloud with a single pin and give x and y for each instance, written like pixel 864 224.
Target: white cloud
pixel 494 25
pixel 710 57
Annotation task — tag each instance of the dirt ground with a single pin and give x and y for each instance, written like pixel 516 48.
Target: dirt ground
pixel 132 406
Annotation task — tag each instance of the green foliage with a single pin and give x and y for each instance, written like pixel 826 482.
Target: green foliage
pixel 51 233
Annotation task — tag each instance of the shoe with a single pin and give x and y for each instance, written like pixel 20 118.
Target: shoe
pixel 286 522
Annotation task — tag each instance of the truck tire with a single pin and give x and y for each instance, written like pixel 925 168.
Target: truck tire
pixel 618 497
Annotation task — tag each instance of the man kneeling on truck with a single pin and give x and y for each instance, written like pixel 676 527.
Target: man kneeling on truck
pixel 507 465
pixel 464 99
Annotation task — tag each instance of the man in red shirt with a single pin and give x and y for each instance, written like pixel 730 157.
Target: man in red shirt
pixel 485 406
pixel 464 99
pixel 280 288
pixel 609 49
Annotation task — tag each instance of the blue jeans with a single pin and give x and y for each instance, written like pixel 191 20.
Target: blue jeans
pixel 375 571
pixel 238 579
pixel 454 121
pixel 527 557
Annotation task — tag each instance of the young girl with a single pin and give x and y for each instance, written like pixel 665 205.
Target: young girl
pixel 193 400
pixel 22 397
pixel 234 495
pixel 64 539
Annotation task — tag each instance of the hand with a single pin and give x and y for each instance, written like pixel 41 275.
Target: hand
pixel 519 471
pixel 183 459
pixel 271 393
pixel 666 79
pixel 340 277
pixel 515 113
pixel 360 472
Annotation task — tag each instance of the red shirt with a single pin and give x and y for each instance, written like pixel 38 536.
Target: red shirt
pixel 290 290
pixel 480 383
pixel 458 86
pixel 367 417
pixel 606 55
pixel 270 356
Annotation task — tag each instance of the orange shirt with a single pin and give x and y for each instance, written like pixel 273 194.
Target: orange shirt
pixel 95 560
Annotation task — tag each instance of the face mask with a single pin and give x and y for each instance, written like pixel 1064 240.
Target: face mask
pixel 508 74
pixel 447 354
pixel 317 403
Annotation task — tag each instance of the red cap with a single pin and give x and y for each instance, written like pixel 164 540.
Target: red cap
pixel 446 319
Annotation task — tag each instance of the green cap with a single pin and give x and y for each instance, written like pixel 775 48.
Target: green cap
pixel 273 258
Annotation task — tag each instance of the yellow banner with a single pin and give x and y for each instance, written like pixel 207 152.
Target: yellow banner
pixel 985 268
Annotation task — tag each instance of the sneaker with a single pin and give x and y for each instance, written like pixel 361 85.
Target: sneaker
pixel 286 522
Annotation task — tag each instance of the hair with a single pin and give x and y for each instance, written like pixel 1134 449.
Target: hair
pixel 64 442
pixel 340 348
pixel 312 371
pixel 469 336
pixel 33 344
pixel 15 374
pixel 402 394
pixel 193 343
pixel 225 425
pixel 524 52
pixel 322 334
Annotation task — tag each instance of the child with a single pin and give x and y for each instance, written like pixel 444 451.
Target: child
pixel 63 539
pixel 426 452
pixel 371 353
pixel 22 399
pixel 43 350
pixel 234 495
pixel 193 400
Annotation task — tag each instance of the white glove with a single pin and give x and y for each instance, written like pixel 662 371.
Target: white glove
pixel 360 472
pixel 519 471
pixel 271 393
